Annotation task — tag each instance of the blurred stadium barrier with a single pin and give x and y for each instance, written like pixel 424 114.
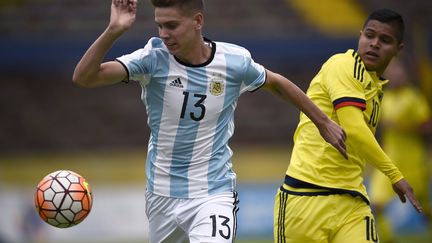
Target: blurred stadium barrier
pixel 118 215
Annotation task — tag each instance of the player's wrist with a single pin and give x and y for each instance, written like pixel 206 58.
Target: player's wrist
pixel 321 120
pixel 114 31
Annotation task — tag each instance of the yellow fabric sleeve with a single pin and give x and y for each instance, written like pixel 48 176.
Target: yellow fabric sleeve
pixel 362 140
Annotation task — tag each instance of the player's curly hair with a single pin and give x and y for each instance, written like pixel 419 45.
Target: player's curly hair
pixel 389 16
pixel 185 5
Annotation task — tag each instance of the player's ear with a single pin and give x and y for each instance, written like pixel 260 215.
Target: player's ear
pixel 400 46
pixel 199 20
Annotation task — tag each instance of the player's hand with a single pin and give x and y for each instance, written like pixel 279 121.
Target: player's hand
pixel 404 190
pixel 123 13
pixel 335 135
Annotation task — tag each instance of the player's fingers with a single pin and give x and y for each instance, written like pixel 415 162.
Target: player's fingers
pixel 344 153
pixel 401 197
pixel 341 140
pixel 118 3
pixel 414 201
pixel 131 2
pixel 132 5
pixel 344 136
pixel 340 146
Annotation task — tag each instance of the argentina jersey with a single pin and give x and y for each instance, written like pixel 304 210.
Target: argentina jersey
pixel 190 110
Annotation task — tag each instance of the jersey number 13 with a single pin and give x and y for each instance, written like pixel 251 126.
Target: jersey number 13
pixel 199 103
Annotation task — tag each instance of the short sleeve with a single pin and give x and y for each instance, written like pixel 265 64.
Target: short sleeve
pixel 255 74
pixel 343 87
pixel 140 63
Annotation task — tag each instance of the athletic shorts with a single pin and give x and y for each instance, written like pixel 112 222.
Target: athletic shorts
pixel 196 220
pixel 336 218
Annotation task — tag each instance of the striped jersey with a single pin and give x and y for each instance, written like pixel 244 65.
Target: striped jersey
pixel 190 110
pixel 342 81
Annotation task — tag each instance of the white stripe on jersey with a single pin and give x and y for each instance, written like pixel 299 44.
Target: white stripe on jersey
pixel 191 116
pixel 166 135
pixel 204 147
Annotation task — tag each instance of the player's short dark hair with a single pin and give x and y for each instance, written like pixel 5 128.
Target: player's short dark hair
pixel 186 5
pixel 389 16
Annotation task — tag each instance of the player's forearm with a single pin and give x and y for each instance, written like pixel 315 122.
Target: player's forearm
pixel 329 130
pixel 290 92
pixel 361 139
pixel 87 70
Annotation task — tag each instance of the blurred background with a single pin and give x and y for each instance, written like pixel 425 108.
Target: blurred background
pixel 47 123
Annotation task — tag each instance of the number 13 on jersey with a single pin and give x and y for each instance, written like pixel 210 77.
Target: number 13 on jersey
pixel 198 101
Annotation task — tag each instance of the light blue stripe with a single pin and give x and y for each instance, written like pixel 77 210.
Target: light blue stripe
pixel 154 101
pixel 220 176
pixel 186 134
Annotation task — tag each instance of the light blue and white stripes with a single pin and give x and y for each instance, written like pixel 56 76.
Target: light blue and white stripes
pixel 191 116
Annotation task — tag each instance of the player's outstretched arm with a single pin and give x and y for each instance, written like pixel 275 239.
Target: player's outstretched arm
pixel 288 91
pixel 90 71
pixel 404 191
pixel 364 142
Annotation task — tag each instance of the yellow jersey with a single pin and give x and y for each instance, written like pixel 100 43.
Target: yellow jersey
pixel 342 81
pixel 407 108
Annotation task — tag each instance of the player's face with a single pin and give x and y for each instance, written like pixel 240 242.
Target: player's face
pixel 178 30
pixel 378 45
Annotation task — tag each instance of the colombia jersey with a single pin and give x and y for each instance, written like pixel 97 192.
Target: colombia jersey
pixel 342 81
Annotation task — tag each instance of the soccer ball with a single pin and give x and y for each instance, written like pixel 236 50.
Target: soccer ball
pixel 63 198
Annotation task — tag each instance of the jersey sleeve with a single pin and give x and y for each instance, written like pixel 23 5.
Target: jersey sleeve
pixel 139 64
pixel 254 76
pixel 362 140
pixel 342 77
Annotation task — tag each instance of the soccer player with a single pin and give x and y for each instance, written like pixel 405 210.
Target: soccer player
pixel 190 86
pixel 323 198
pixel 406 119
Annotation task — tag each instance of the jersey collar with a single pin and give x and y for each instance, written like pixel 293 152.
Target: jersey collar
pixel 209 60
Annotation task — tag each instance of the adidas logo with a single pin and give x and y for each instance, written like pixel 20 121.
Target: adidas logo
pixel 176 83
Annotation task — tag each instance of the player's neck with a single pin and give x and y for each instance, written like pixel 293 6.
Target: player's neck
pixel 199 54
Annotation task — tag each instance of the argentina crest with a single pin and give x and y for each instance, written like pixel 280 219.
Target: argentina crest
pixel 217 85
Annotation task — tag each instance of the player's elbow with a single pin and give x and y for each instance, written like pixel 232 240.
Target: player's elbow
pixel 82 81
pixel 273 83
